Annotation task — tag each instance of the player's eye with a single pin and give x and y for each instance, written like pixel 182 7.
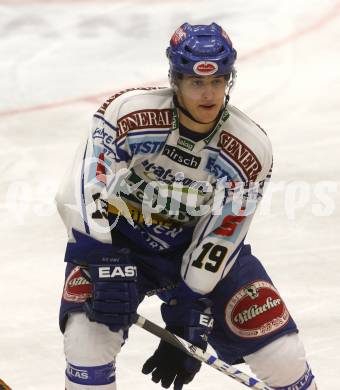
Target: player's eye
pixel 196 83
pixel 218 82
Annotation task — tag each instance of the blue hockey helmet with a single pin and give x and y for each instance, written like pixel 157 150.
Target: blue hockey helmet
pixel 201 50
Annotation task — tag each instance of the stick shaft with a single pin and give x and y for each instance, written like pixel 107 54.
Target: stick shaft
pixel 199 354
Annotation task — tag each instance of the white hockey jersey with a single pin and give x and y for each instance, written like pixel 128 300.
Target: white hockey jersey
pixel 138 174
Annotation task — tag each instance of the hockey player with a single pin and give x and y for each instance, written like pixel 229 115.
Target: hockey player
pixel 159 201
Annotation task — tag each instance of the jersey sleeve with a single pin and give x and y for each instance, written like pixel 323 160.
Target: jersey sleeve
pixel 94 178
pixel 219 234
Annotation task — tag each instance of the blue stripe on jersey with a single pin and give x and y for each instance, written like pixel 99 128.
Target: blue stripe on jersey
pixel 212 149
pixel 142 139
pixel 82 190
pixel 139 133
pixel 110 125
pixel 231 163
pixel 134 133
pixel 134 138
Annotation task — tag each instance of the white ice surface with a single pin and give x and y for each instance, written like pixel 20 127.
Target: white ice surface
pixel 60 60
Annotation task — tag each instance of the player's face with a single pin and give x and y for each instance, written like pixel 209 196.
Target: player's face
pixel 202 96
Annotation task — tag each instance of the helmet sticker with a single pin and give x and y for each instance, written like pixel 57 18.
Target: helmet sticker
pixel 178 36
pixel 205 68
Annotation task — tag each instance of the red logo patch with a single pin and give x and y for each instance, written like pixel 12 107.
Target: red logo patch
pixel 229 225
pixel 241 154
pixel 144 119
pixel 77 288
pixel 100 170
pixel 178 36
pixel 205 68
pixel 256 310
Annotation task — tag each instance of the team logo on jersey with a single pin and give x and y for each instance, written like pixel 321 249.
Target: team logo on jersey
pixel 145 119
pixel 205 68
pixel 181 157
pixel 146 147
pixel 185 143
pixel 241 154
pixel 256 310
pixel 106 140
pixel 217 169
pixel 163 174
pixel 77 288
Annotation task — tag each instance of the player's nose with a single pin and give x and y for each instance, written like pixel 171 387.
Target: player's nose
pixel 207 92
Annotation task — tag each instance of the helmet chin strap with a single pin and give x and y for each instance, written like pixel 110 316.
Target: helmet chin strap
pixel 187 113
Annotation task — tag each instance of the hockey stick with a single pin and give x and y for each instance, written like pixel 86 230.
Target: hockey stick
pixel 3 385
pixel 199 354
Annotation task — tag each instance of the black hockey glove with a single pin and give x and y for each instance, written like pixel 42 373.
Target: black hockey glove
pixel 170 365
pixel 115 297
